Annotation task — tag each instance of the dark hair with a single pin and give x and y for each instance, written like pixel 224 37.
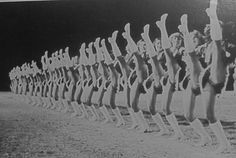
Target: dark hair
pixel 198 35
pixel 176 34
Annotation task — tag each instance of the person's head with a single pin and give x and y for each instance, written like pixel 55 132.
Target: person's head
pixel 197 38
pixel 157 44
pixel 176 40
pixel 207 35
pixel 141 46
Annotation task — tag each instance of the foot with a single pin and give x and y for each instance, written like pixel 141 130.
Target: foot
pixel 124 34
pixel 163 17
pixel 96 43
pixel 183 27
pixel 161 23
pixel 184 20
pixel 127 28
pixel 110 40
pixel 145 32
pixel 114 36
pixel 211 13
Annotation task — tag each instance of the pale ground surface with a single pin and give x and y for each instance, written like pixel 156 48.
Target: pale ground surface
pixel 32 132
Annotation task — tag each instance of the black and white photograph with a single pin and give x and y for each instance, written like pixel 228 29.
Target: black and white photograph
pixel 118 79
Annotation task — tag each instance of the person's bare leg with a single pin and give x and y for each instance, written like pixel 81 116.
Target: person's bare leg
pixel 172 70
pixel 125 72
pixel 217 76
pixel 77 99
pixel 140 72
pixel 113 88
pixel 83 100
pixel 151 97
pixel 89 104
pixel 158 72
pixel 135 94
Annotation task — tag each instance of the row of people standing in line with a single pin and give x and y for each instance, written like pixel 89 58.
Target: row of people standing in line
pixel 189 60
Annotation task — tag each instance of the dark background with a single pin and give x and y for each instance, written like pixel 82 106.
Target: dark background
pixel 27 29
